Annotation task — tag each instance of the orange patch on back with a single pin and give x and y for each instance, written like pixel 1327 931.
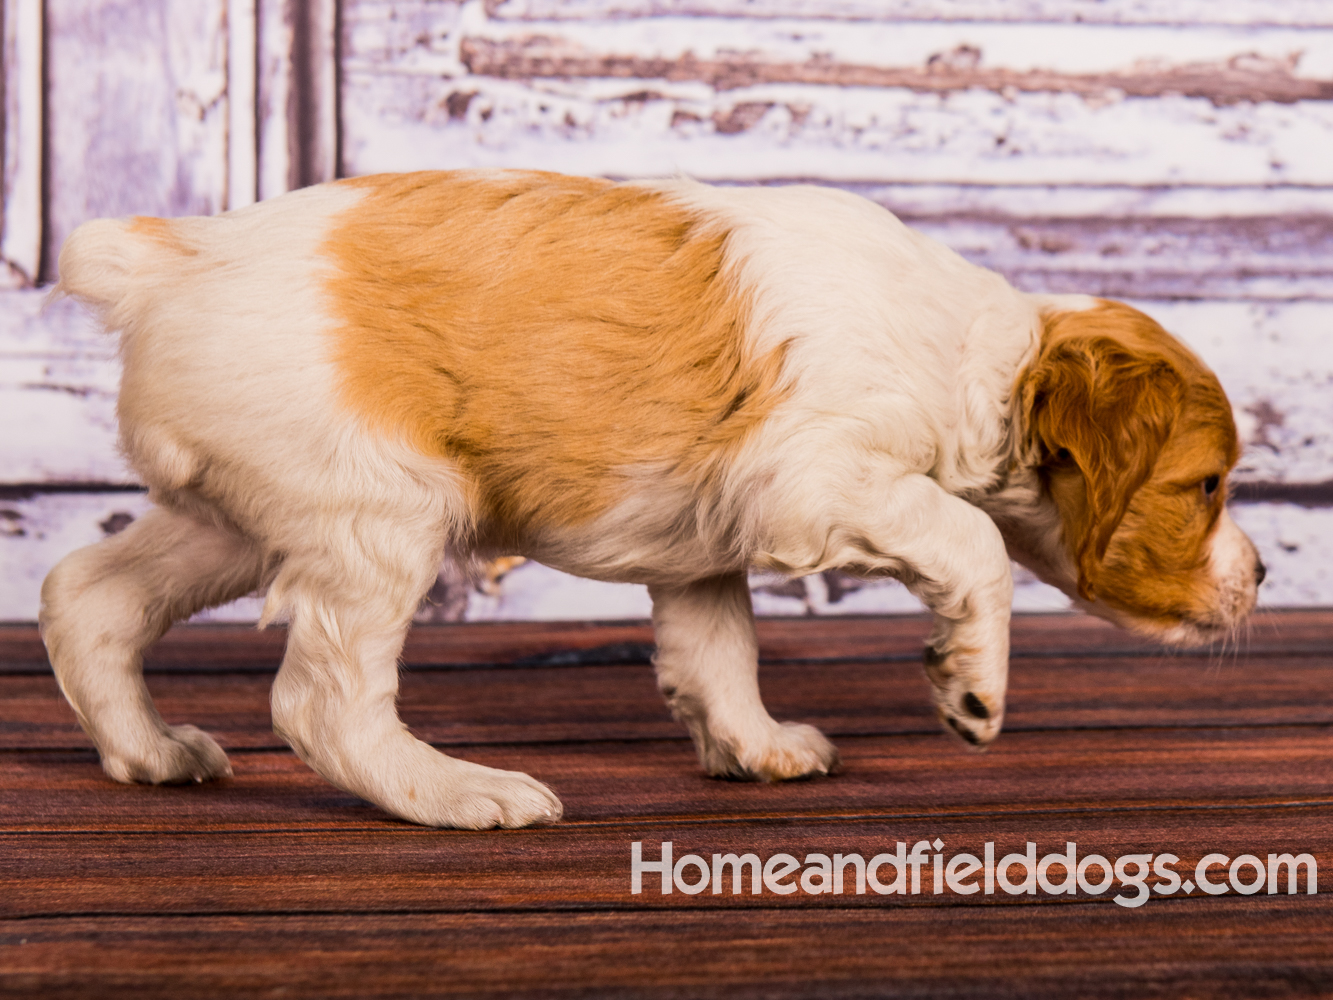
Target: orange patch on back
pixel 162 231
pixel 550 334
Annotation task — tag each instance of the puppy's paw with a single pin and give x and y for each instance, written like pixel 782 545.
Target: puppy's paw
pixel 480 798
pixel 974 717
pixel 783 752
pixel 180 755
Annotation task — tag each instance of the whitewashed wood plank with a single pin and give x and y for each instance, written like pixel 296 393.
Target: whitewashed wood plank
pixel 242 80
pixel 1275 363
pixel 1169 12
pixel 298 94
pixel 1080 201
pixel 1269 257
pixel 21 30
pixel 136 111
pixel 34 326
pixel 37 531
pixel 1225 63
pixel 727 98
pixel 59 375
pixel 320 114
pixel 626 129
pixel 58 427
pixel 1222 62
pixel 276 98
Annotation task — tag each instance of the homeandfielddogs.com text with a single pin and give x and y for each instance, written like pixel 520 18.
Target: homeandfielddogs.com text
pixel 925 868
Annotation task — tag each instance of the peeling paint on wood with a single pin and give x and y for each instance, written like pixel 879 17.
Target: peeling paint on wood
pixel 622 129
pixel 21 197
pixel 1272 359
pixel 731 98
pixel 1270 257
pixel 1312 13
pixel 242 103
pixel 1250 78
pixel 297 94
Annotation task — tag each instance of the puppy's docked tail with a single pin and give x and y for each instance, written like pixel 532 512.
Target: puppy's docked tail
pixel 104 261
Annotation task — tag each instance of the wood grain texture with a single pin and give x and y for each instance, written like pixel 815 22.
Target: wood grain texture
pixel 887 776
pixel 578 867
pixel 461 707
pixel 726 98
pixel 1256 947
pixel 276 883
pixel 21 214
pixel 1249 13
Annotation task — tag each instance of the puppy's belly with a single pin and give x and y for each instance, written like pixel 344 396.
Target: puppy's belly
pixel 667 549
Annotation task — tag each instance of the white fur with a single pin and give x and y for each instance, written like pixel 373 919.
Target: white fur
pixel 891 454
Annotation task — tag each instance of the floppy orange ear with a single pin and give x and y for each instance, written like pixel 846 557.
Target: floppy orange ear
pixel 1111 408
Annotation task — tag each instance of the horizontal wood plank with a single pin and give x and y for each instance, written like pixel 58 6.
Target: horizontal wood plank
pixel 1271 258
pixel 1248 13
pixel 576 866
pixel 638 128
pixel 726 98
pixel 461 707
pixel 641 781
pixel 1256 947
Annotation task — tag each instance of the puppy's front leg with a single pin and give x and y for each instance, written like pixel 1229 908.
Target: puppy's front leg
pixel 707 665
pixel 951 556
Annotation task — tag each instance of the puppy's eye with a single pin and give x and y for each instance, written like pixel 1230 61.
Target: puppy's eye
pixel 1210 485
pixel 1062 454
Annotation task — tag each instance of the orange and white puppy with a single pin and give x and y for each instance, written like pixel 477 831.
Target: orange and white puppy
pixel 656 382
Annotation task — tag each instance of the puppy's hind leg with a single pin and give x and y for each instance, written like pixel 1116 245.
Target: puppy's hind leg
pixel 707 665
pixel 104 604
pixel 334 702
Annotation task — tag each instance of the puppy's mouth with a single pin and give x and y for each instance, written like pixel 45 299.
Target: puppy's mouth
pixel 1196 632
pixel 1182 629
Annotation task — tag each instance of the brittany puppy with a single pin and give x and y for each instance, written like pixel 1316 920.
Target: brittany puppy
pixel 663 383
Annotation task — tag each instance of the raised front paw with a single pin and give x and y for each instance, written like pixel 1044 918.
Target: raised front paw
pixel 965 699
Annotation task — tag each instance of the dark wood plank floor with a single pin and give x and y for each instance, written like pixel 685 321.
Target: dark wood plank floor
pixel 274 883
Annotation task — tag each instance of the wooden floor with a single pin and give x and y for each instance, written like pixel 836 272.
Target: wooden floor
pixel 274 883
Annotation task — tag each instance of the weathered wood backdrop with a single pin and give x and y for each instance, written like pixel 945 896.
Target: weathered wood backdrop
pixel 1176 153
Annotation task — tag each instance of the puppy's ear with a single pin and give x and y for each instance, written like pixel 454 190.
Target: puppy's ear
pixel 1106 407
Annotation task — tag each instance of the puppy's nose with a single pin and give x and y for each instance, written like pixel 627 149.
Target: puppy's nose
pixel 1260 571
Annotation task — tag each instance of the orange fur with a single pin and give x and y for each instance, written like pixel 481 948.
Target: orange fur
pixel 1127 424
pixel 164 232
pixel 548 388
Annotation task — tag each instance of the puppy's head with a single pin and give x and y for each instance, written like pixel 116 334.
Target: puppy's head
pixel 1133 439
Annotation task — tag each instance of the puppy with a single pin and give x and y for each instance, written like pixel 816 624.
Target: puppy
pixel 662 382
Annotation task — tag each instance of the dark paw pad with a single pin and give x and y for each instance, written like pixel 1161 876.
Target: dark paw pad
pixel 963 731
pixel 975 706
